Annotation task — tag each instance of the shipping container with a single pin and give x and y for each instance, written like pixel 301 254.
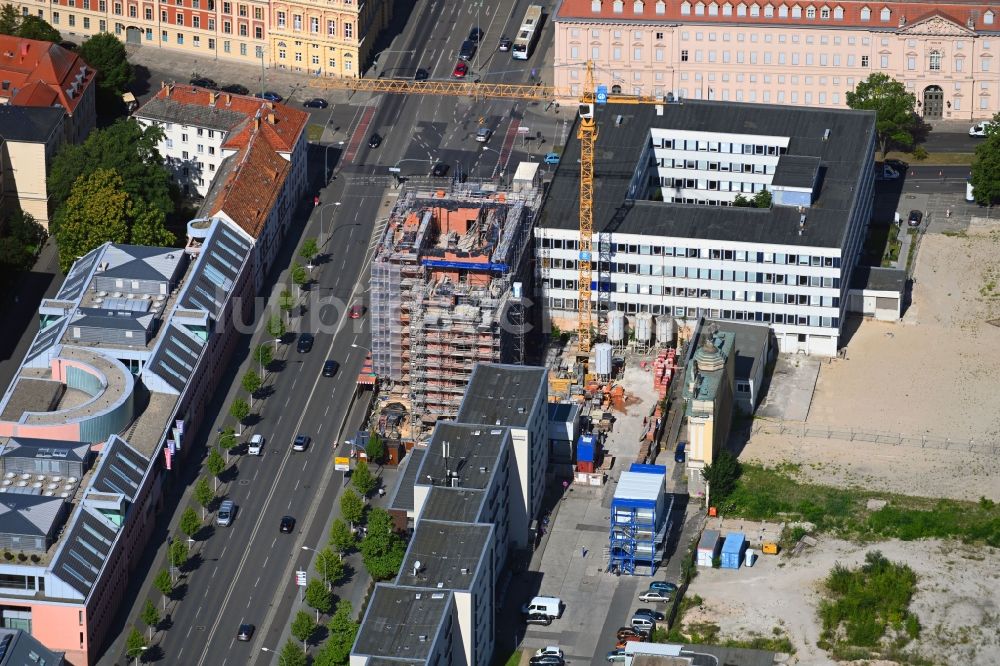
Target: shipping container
pixel 733 550
pixel 708 548
pixel 586 448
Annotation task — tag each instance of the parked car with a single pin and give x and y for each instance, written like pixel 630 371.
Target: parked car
pixel 301 442
pixel 538 618
pixel 316 103
pixel 461 69
pixel 375 140
pixel 235 89
pixel 204 82
pixel 305 343
pixel 980 129
pixel 663 586
pixel 914 218
pixel 421 75
pixel 227 510
pixel 287 524
pixel 439 170
pixel 357 311
pixel 552 158
pixel 654 596
pixel 506 43
pixel 468 50
pixel 625 632
pixel 637 638
pixel 483 134
pixel 547 660
pixel 330 368
pixel 255 447
pixel 616 656
pixel 679 452
pixel 245 632
pixel 269 96
pixel 549 650
pixel 476 34
pixel 649 612
pixel 886 172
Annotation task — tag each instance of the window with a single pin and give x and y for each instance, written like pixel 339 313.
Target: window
pixel 885 14
pixel 243 49
pixel 243 29
pixel 934 62
pixel 86 24
pixel 984 64
pixel 315 60
pixel 331 28
pixel 314 24
pixel 838 14
pixel 348 32
pixel 911 63
pixel 180 19
pixel 768 11
pixel 636 54
pixel 958 64
pixel 810 12
pixel 211 24
pixel 258 13
pixel 796 12
pixel 297 21
pixel 283 19
pixel 884 60
pixel 684 58
pixel 659 35
pixel 616 53
pixel 226 46
pixel 227 8
pixel 864 61
pixel 258 32
pixel 824 13
pixel 685 7
pixel 55 17
pixel 180 38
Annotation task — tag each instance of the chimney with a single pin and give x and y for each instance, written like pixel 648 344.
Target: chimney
pixel 270 105
pixel 229 99
pixel 256 123
pixel 212 96
pixel 24 50
pixel 270 118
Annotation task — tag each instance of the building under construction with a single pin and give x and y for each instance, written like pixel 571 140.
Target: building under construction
pixel 447 285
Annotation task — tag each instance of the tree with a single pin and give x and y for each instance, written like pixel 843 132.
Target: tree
pixel 382 550
pixel 179 553
pixel 263 355
pixel 251 384
pixel 275 328
pixel 215 465
pixel 330 567
pixel 135 644
pixel 190 523
pixel 721 475
pixel 303 627
pixel 99 209
pixel 352 507
pixel 895 119
pixel 21 237
pixel 341 536
pixel 150 617
pixel 203 495
pixel 375 448
pixel 762 199
pixel 362 478
pixel 986 167
pixel 299 275
pixel 286 302
pixel 34 27
pixel 9 20
pixel 343 630
pixel 227 440
pixel 239 410
pixel 292 654
pixel 318 597
pixel 106 53
pixel 125 147
pixel 164 585
pixel 309 249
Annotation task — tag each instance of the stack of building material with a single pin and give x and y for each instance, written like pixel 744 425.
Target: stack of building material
pixel 663 370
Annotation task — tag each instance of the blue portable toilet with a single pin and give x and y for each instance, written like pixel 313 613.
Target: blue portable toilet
pixel 733 549
pixel 586 448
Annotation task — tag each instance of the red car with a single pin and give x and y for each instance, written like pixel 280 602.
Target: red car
pixel 356 311
pixel 461 69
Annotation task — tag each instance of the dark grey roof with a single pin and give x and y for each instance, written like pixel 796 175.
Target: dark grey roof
pixel 796 171
pixel 196 115
pixel 124 320
pixel 402 622
pixel 120 469
pixel 28 447
pixel 32 515
pixel 19 648
pixel 29 124
pixel 462 505
pixel 563 412
pixel 619 148
pixel 176 356
pixel 728 656
pixel 79 275
pixel 473 454
pixel 878 279
pixel 84 549
pixel 139 262
pixel 449 554
pixel 402 496
pixel 213 277
pixel 45 338
pixel 501 394
pixel 750 340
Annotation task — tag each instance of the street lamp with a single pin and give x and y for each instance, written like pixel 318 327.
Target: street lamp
pixel 326 571
pixel 357 346
pixel 322 212
pixel 139 654
pixel 281 659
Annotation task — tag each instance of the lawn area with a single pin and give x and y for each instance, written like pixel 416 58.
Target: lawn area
pixel 314 133
pixel 774 494
pixel 934 159
pixel 513 660
pixel 891 254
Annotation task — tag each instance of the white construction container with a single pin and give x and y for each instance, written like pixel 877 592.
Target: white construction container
pixel 665 330
pixel 616 326
pixel 644 328
pixel 602 356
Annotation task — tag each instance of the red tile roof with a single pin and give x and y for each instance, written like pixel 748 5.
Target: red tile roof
pixel 281 132
pixel 957 11
pixel 252 187
pixel 42 73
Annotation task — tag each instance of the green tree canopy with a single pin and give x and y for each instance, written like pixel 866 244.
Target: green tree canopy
pixel 299 274
pixel 382 550
pixel 150 617
pixel 106 53
pixel 239 410
pixel 179 553
pixel 34 27
pixel 251 382
pixel 375 448
pixel 164 585
pixel 352 507
pixel 362 478
pixel 318 597
pixel 722 475
pixel 190 523
pixel 303 627
pixel 216 465
pixel 309 249
pixel 203 494
pixel 227 439
pixel 895 117
pixel 263 354
pixel 134 644
pixel 98 210
pixel 341 536
pixel 21 237
pixel 292 654
pixel 330 567
pixel 986 167
pixel 9 20
pixel 343 630
pixel 275 327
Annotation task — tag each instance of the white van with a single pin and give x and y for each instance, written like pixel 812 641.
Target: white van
pixel 548 606
pixel 970 192
pixel 256 445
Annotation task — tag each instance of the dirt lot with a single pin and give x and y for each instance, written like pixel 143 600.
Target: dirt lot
pixel 958 612
pixel 935 373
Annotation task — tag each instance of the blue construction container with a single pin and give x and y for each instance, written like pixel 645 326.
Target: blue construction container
pixel 586 448
pixel 733 549
pixel 638 519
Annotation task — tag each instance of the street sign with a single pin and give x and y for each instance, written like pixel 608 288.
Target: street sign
pixel 393 169
pixel 602 94
pixel 300 578
pixel 523 130
pixel 342 464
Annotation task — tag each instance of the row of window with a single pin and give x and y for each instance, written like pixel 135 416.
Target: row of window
pixel 711 185
pixel 331 62
pixel 314 24
pixel 570 304
pixel 780 258
pixel 690 273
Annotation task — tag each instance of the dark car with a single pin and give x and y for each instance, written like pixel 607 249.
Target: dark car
pixel 547 660
pixel 235 89
pixel 374 141
pixel 269 96
pixel 330 368
pixel 305 343
pixel 287 524
pixel 461 69
pixel 506 43
pixel 316 103
pixel 246 632
pixel 440 169
pixel 476 34
pixel 468 50
pixel 663 586
pixel 421 75
pixel 899 165
pixel 538 618
pixel 301 443
pixel 915 218
pixel 654 615
pixel 204 82
pixel 679 452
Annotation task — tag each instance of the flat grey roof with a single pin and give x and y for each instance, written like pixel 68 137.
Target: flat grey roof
pixel 138 262
pixel 501 394
pixel 796 171
pixel 878 279
pixel 473 452
pixel 31 515
pixel 28 447
pixel 455 504
pixel 171 111
pixel 619 148
pixel 19 648
pixel 750 340
pixel 402 496
pixel 402 622
pixel 29 124
pixel 449 554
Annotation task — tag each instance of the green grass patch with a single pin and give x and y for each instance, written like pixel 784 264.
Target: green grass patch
pixel 314 132
pixel 863 604
pixel 891 254
pixel 512 660
pixel 769 494
pixel 912 251
pixel 935 159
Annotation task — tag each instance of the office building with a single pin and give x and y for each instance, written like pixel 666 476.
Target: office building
pixel 785 52
pixel 671 237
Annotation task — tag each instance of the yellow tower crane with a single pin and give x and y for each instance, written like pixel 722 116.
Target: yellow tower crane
pixel 586 133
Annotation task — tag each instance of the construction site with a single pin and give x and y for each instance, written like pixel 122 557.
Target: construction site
pixel 448 285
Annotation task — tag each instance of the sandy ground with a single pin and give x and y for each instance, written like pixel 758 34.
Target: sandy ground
pixel 935 373
pixel 958 612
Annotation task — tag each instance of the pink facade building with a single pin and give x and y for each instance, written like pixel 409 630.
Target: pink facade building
pixel 799 52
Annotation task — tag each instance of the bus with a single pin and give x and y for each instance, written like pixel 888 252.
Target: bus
pixel 527 35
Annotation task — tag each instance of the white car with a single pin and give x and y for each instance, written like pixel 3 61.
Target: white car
pixel 256 445
pixel 549 651
pixel 654 596
pixel 980 129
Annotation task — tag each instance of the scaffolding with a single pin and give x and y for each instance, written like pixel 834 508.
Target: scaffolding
pixel 639 523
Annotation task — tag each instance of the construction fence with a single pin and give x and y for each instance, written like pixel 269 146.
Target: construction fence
pixel 848 434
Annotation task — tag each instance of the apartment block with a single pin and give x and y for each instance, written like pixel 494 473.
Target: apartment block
pixel 783 51
pixel 669 240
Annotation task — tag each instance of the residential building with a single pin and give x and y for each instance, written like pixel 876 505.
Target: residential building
pixel 105 403
pixel 326 38
pixel 244 155
pixel 29 139
pixel 784 52
pixel 18 648
pixel 668 241
pixel 447 278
